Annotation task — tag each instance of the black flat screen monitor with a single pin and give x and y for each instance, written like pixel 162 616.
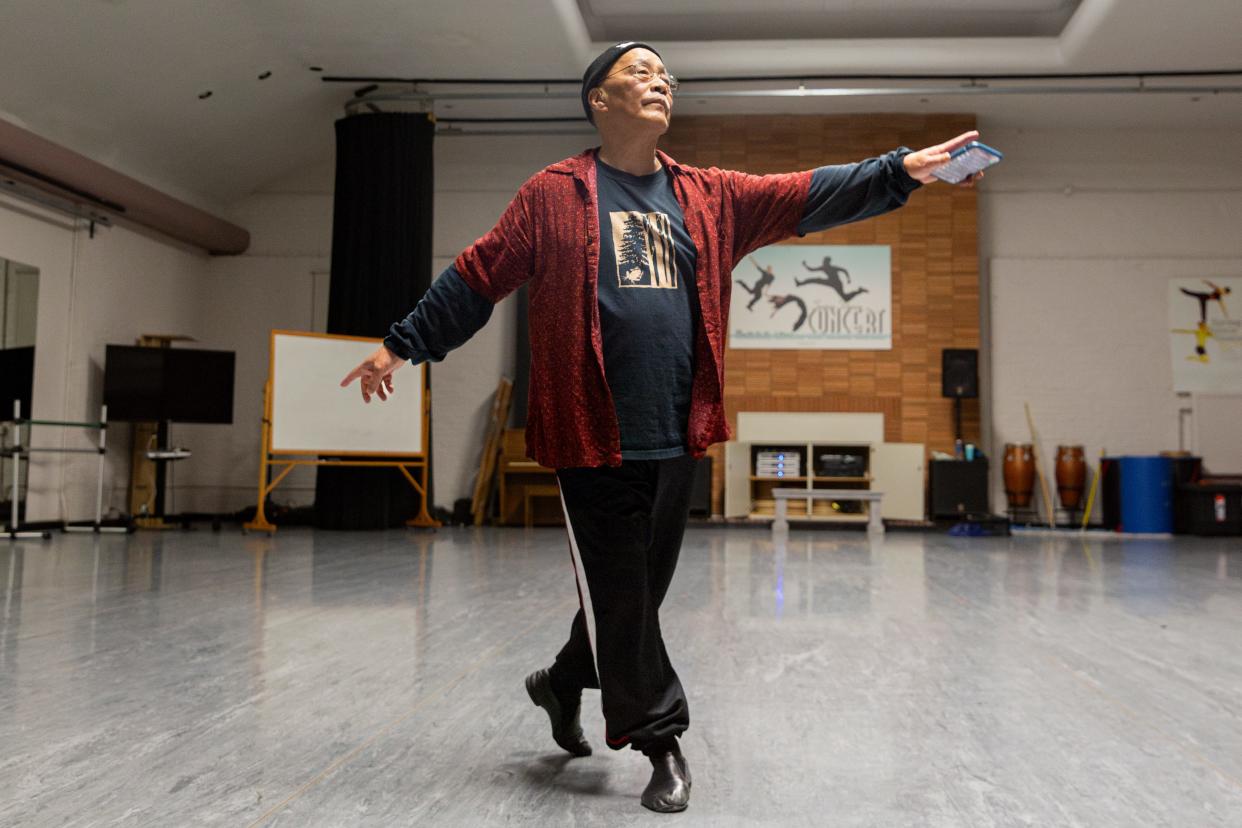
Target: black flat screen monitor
pixel 16 379
pixel 180 385
pixel 198 385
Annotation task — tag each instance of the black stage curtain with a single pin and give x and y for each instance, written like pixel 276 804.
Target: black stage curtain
pixel 521 368
pixel 381 267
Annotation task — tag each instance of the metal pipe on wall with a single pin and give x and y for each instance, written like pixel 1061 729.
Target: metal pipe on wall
pixel 48 167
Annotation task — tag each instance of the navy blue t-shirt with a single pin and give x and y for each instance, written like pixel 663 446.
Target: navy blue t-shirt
pixel 648 310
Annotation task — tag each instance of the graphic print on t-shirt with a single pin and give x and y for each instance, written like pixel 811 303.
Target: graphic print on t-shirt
pixel 644 246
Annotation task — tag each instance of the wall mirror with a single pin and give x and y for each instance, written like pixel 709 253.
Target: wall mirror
pixel 19 312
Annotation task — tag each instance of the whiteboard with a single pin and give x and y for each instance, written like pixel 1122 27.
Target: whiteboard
pixel 312 414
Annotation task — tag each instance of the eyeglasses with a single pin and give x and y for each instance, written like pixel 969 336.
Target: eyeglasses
pixel 645 74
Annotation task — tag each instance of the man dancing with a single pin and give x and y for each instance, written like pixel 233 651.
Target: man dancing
pixel 625 382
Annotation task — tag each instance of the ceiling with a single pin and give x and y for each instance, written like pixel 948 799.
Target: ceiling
pixel 125 81
pixel 694 20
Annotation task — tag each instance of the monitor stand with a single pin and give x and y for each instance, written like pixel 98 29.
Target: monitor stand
pixel 161 456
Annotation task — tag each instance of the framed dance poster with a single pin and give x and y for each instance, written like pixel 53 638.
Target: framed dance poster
pixel 801 296
pixel 1205 334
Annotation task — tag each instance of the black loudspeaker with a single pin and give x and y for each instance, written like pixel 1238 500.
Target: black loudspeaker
pixel 959 373
pixel 701 493
pixel 959 487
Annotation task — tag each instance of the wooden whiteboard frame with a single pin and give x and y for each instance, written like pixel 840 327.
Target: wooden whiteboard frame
pixel 291 459
pixel 420 382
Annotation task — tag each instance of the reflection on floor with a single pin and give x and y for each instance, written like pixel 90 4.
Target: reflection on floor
pixel 376 679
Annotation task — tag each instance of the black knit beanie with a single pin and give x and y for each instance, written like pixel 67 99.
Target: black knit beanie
pixel 598 70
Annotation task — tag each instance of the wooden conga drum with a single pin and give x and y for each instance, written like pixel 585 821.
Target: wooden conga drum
pixel 1019 472
pixel 1071 475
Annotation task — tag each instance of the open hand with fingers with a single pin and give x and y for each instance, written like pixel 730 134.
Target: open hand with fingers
pixel 921 164
pixel 375 374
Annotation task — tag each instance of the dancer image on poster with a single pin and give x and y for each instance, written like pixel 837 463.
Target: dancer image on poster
pixel 832 278
pixel 1217 295
pixel 1202 333
pixel 627 351
pixel 766 278
pixel 779 302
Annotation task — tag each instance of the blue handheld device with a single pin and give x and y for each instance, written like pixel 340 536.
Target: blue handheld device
pixel 966 161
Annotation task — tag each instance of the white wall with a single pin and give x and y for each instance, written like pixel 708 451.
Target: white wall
pixel 92 291
pixel 1080 232
pixel 280 282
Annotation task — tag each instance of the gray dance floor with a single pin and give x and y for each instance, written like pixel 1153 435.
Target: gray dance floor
pixel 329 679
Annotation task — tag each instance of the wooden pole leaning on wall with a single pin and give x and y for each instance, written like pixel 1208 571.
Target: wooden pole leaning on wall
pixel 1039 470
pixel 491 450
pixel 311 366
pixel 1095 485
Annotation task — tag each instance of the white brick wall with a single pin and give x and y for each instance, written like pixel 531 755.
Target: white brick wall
pixel 1079 234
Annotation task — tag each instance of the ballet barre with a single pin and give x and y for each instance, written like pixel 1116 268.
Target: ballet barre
pixel 18 451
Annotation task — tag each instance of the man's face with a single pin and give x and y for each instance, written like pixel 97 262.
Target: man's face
pixel 636 90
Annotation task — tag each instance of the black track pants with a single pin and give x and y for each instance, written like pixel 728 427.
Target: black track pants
pixel 625 529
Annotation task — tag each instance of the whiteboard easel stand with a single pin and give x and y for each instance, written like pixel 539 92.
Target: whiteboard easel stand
pixel 266 458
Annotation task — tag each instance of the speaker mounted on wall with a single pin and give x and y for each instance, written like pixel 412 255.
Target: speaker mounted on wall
pixel 959 373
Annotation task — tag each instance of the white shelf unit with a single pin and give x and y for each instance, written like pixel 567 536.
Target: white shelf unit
pixel 823 441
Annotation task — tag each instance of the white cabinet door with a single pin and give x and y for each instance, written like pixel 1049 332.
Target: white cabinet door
pixel 737 479
pixel 897 470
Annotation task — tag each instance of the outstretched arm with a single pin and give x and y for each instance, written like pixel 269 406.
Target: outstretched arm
pixel 445 318
pixel 844 193
pixel 458 304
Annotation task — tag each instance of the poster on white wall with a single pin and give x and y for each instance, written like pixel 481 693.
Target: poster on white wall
pixel 1205 335
pixel 813 296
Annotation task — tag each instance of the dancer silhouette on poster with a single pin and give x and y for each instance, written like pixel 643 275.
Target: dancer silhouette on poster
pixel 1202 334
pixel 1216 295
pixel 781 301
pixel 766 277
pixel 832 279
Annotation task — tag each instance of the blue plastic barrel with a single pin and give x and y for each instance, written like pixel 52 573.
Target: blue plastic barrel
pixel 1146 494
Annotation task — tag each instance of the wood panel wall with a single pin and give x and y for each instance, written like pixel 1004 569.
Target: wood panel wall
pixel 934 241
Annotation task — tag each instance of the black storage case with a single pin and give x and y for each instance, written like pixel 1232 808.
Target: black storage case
pixel 958 488
pixel 1210 508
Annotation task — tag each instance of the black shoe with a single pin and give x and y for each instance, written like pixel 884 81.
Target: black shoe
pixel 566 731
pixel 669 788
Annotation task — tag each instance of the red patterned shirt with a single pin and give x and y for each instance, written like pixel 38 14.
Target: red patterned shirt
pixel 548 238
